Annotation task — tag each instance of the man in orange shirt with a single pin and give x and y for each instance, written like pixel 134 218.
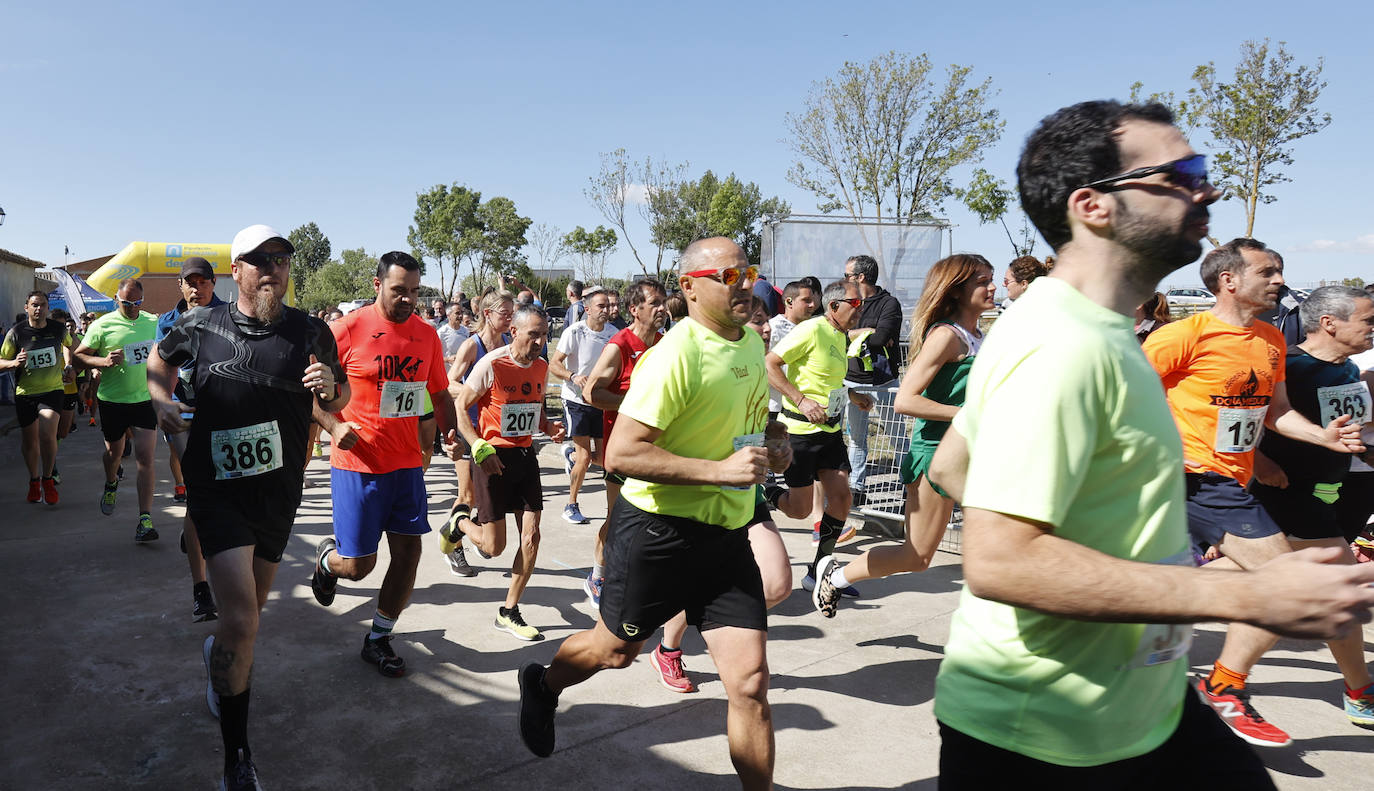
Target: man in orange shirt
pixel 392 357
pixel 1223 374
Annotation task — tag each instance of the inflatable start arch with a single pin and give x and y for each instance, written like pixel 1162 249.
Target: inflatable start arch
pixel 161 258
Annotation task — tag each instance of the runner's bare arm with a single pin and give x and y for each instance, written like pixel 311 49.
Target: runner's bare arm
pixel 161 380
pixel 603 375
pixel 444 412
pixel 464 397
pixel 941 346
pixel 1340 435
pixel 559 369
pixel 777 379
pixel 343 433
pixel 88 357
pixel 631 452
pixel 1023 563
pixel 467 354
pixel 949 465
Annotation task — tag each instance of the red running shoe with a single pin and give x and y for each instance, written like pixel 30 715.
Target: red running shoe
pixel 671 672
pixel 35 491
pixel 1233 706
pixel 50 491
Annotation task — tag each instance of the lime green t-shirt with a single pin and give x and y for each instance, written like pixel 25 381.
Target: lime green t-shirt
pixel 126 383
pixel 1067 424
pixel 709 396
pixel 44 363
pixel 815 355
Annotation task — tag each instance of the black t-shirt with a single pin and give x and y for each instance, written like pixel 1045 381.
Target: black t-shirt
pixel 252 412
pixel 44 345
pixel 1314 391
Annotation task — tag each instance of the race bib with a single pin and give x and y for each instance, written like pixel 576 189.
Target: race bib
pixel 137 353
pixel 1164 642
pixel 519 420
pixel 44 357
pixel 1238 430
pixel 1352 399
pixel 402 399
pixel 247 451
pixel 836 402
pixel 745 441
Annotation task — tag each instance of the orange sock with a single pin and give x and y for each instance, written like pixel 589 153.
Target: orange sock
pixel 1356 694
pixel 1223 677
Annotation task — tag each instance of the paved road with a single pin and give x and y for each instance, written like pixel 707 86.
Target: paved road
pixel 106 689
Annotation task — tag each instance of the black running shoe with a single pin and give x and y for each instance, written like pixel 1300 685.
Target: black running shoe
pixel 321 584
pixel 378 652
pixel 537 709
pixel 242 776
pixel 458 563
pixel 203 603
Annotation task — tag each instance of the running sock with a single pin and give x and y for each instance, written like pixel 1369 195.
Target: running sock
pixel 838 579
pixel 381 626
pixel 598 571
pixel 830 533
pixel 324 564
pixel 1356 694
pixel 1222 677
pixel 664 649
pixel 111 486
pixel 233 727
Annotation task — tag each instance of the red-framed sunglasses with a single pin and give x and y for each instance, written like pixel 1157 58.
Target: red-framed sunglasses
pixel 728 275
pixel 854 302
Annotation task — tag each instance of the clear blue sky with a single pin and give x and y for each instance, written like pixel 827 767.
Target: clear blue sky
pixel 185 122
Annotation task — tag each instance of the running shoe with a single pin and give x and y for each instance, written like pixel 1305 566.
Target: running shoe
pixel 243 776
pixel 451 535
pixel 592 585
pixel 1361 710
pixel 179 493
pixel 849 532
pixel 107 500
pixel 211 697
pixel 92 423
pixel 319 449
pixel 537 709
pixel 50 491
pixel 511 621
pixel 56 476
pixel 35 491
pixel 825 595
pixel 458 563
pixel 573 515
pixel 567 454
pixel 809 584
pixel 203 603
pixel 145 532
pixel 321 584
pixel 671 672
pixel 1234 708
pixel 378 652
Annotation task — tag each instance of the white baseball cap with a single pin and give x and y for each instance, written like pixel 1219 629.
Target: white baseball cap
pixel 253 237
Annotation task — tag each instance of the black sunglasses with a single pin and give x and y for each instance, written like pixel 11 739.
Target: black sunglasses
pixel 266 260
pixel 1189 173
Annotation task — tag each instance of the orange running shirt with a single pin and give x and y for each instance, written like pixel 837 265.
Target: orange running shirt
pixel 389 366
pixel 1219 379
pixel 510 398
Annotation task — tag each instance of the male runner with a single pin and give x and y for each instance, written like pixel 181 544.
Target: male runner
pixel 1066 661
pixel 119 344
pixel 813 407
pixel 392 358
pixel 39 352
pixel 1223 373
pixel 507 387
pixel 873 359
pixel 71 385
pixel 258 368
pixel 1303 488
pixel 579 347
pixel 197 284
pixel 689 441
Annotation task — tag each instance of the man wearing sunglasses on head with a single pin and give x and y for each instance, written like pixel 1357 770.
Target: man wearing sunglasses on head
pixel 118 345
pixel 690 440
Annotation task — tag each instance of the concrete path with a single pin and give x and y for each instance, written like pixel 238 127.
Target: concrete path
pixel 106 688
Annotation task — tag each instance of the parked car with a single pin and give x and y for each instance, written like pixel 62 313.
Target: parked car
pixel 1190 296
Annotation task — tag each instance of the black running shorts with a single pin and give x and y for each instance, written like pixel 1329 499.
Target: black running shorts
pixel 224 520
pixel 26 407
pixel 517 488
pixel 811 453
pixel 116 418
pixel 1298 512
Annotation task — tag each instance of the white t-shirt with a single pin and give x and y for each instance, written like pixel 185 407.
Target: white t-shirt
pixel 780 327
pixel 583 346
pixel 452 339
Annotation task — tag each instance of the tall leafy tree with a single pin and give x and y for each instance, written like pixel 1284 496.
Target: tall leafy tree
pixel 591 248
pixel 344 280
pixel 709 206
pixel 454 226
pixel 312 252
pixel 503 236
pixel 989 197
pixel 610 189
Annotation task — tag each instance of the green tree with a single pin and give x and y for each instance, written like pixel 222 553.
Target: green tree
pixel 1254 120
pixel 988 197
pixel 503 236
pixel 881 139
pixel 609 190
pixel 708 206
pixel 340 281
pixel 454 226
pixel 591 248
pixel 312 252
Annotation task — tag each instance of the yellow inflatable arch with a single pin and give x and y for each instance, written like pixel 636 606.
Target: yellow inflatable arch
pixel 160 258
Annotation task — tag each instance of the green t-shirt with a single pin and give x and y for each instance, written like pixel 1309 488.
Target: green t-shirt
pixel 42 371
pixel 126 383
pixel 706 394
pixel 1067 424
pixel 815 355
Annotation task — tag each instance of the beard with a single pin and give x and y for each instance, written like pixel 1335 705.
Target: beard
pixel 268 306
pixel 1159 248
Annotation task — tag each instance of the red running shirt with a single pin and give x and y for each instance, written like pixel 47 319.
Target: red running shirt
pixel 510 398
pixel 631 349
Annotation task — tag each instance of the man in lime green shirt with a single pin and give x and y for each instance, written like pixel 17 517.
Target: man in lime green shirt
pixel 118 345
pixel 1066 658
pixel 690 440
pixel 808 367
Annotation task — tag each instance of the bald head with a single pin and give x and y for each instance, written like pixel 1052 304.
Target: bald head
pixel 713 253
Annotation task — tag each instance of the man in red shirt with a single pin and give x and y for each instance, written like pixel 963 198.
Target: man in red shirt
pixel 392 357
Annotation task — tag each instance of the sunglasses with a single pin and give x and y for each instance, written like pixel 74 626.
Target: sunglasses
pixel 266 260
pixel 728 275
pixel 126 303
pixel 853 302
pixel 1189 173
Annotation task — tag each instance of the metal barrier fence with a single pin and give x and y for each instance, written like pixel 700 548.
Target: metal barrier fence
pixel 884 507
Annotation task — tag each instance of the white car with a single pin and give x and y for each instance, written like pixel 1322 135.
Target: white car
pixel 1190 296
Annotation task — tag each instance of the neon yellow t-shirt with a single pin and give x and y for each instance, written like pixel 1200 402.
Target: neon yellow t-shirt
pixel 42 371
pixel 815 355
pixel 707 395
pixel 126 383
pixel 1067 424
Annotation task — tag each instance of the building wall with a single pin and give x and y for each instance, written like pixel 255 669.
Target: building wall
pixel 16 281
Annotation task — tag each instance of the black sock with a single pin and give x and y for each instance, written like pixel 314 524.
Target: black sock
pixel 199 586
pixel 830 533
pixel 233 727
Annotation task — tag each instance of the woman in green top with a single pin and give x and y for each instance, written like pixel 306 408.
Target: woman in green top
pixel 945 337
